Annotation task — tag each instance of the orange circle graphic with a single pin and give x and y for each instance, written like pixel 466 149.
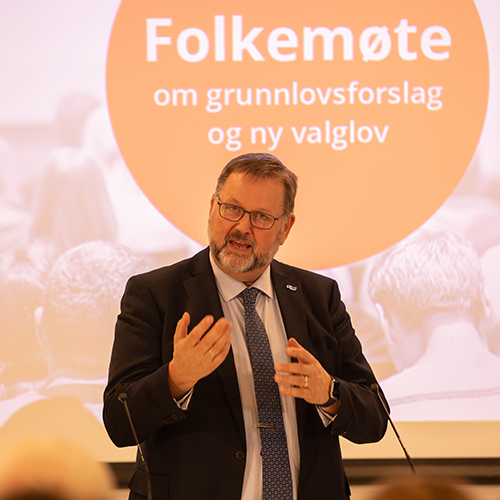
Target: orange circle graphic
pixel 377 106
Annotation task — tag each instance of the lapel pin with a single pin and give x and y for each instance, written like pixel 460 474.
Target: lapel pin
pixel 292 288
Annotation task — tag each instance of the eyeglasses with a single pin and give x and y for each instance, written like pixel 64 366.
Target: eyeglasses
pixel 234 213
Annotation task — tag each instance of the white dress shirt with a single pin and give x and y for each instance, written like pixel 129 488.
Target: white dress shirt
pixel 268 309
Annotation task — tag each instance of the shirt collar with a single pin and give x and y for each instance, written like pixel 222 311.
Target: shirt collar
pixel 229 288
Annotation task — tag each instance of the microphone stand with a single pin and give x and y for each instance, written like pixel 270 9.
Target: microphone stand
pixel 374 387
pixel 122 397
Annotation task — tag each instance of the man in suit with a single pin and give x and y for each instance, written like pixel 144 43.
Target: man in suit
pixel 192 397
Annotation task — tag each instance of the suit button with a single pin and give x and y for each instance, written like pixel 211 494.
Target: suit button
pixel 240 455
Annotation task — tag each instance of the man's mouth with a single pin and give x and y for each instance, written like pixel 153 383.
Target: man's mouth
pixel 239 245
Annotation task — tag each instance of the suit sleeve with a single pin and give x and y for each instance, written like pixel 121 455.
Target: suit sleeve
pixel 139 361
pixel 361 417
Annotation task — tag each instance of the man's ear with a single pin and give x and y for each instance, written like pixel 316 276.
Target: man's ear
pixel 39 332
pixel 212 204
pixel 386 324
pixel 290 221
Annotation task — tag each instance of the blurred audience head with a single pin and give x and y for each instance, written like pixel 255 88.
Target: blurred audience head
pixel 429 271
pixel 421 488
pixel 50 468
pixel 22 277
pixel 71 117
pixel 72 204
pixel 422 282
pixel 490 263
pixel 99 139
pixel 81 303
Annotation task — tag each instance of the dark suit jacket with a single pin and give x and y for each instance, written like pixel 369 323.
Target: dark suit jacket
pixel 200 454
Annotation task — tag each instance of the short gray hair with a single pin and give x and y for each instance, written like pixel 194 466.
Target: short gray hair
pixel 262 166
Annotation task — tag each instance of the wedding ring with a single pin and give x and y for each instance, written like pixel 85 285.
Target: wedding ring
pixel 211 353
pixel 306 382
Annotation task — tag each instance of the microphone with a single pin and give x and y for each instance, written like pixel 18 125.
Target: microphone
pixel 122 397
pixel 375 388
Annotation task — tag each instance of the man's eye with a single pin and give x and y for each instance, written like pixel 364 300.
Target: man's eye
pixel 263 217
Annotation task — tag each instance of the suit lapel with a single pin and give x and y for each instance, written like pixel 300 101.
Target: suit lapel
pixel 291 299
pixel 290 293
pixel 202 291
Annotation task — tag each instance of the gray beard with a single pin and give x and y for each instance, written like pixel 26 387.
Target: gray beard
pixel 236 263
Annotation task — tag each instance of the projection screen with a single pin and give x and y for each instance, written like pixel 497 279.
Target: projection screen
pixel 116 118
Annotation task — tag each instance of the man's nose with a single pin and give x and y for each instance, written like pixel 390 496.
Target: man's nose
pixel 244 224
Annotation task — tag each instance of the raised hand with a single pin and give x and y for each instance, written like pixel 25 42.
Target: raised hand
pixel 306 379
pixel 198 354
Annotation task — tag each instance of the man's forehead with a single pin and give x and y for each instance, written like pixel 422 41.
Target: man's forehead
pixel 246 180
pixel 267 192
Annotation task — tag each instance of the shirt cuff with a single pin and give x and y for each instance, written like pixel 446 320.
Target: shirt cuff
pixel 183 403
pixel 325 417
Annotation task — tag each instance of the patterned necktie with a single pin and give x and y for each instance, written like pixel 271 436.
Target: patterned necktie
pixel 276 475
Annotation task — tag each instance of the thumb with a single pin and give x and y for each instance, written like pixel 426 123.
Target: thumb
pixel 293 343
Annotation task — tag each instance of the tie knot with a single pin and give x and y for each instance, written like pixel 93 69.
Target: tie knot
pixel 249 296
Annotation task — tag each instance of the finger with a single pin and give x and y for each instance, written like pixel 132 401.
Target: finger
pixel 200 329
pixel 220 336
pixel 295 350
pixel 292 368
pixel 182 327
pixel 221 329
pixel 211 355
pixel 300 381
pixel 293 391
pixel 220 347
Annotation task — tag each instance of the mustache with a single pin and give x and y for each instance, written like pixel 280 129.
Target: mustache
pixel 241 237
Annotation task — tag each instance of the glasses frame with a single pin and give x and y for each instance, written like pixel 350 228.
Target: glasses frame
pixel 249 215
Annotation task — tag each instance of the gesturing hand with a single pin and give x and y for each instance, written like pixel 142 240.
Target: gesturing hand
pixel 306 379
pixel 198 354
